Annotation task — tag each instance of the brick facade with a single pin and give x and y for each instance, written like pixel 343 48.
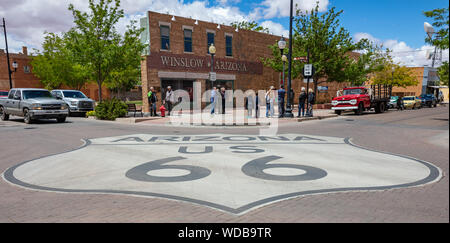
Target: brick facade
pixel 243 68
pixel 24 77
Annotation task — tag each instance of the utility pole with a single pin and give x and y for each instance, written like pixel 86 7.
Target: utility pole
pixel 7 54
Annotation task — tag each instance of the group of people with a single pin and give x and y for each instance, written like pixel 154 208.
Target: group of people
pixel 305 101
pixel 168 101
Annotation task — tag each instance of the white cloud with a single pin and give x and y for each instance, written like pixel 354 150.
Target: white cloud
pixel 275 28
pixel 360 36
pixel 404 54
pixel 27 20
pixel 280 8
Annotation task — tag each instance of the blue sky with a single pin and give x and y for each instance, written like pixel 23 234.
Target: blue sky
pixel 396 24
pixel 384 19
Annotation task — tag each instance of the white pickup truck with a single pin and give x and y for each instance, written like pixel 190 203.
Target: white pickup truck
pixel 33 104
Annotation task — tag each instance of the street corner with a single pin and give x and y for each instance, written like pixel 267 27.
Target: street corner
pixel 230 173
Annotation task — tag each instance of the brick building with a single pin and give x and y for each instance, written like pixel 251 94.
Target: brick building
pixel 177 55
pixel 23 77
pixel 427 79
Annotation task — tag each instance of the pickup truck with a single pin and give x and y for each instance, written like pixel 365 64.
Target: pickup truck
pixel 75 99
pixel 363 98
pixel 32 104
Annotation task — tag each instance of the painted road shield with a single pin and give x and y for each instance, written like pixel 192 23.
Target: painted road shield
pixel 232 173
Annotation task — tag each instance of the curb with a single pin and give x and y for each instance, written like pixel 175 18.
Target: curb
pixel 317 117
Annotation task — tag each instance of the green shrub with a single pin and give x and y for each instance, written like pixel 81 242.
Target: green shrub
pixel 110 109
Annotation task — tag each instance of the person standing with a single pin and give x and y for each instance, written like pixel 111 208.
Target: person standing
pixel 152 99
pixel 256 105
pixel 270 101
pixel 400 103
pixel 250 105
pixel 213 99
pixel 311 102
pixel 222 93
pixel 169 100
pixel 281 96
pixel 301 102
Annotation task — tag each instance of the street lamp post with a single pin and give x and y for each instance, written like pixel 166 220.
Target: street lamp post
pixel 288 112
pixel 282 46
pixel 212 51
pixel 284 59
pixel 7 56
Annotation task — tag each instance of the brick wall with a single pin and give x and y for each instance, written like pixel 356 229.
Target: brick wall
pixel 24 77
pixel 247 47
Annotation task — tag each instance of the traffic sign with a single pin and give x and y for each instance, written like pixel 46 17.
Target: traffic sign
pixel 308 70
pixel 302 59
pixel 212 76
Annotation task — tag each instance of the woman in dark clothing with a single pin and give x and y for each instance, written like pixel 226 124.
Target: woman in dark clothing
pixel 222 93
pixel 301 102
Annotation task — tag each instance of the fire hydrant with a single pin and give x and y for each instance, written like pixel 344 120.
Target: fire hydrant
pixel 162 109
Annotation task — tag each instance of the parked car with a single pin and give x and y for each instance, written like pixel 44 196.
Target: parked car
pixel 412 102
pixel 3 94
pixel 428 100
pixel 32 104
pixel 78 102
pixel 393 102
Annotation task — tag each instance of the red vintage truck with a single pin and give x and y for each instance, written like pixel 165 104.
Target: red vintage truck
pixel 360 99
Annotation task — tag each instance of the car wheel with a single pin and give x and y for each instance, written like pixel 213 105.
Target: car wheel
pixel 26 116
pixel 3 115
pixel 338 112
pixel 360 109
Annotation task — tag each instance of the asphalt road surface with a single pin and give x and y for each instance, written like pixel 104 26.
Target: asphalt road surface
pixel 390 167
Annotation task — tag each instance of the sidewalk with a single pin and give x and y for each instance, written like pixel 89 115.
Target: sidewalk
pixel 235 117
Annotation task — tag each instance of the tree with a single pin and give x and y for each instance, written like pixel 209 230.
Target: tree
pixel 443 73
pixel 245 25
pixel 126 72
pixel 441 20
pixel 94 39
pixel 55 65
pixel 395 75
pixel 329 47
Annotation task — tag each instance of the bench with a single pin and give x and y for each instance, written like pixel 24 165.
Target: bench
pixel 132 108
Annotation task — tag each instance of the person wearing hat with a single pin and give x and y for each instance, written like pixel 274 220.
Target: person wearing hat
pixel 301 102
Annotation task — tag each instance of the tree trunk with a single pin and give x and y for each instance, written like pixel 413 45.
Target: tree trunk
pixel 99 91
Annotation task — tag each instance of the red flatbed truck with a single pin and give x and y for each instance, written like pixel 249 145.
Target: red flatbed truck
pixel 361 98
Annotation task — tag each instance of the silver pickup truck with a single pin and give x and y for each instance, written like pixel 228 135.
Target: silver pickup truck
pixel 75 99
pixel 32 104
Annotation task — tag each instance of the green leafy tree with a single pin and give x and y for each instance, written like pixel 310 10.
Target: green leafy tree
pixel 395 75
pixel 330 49
pixel 94 38
pixel 443 73
pixel 245 25
pixel 440 22
pixel 126 73
pixel 54 66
